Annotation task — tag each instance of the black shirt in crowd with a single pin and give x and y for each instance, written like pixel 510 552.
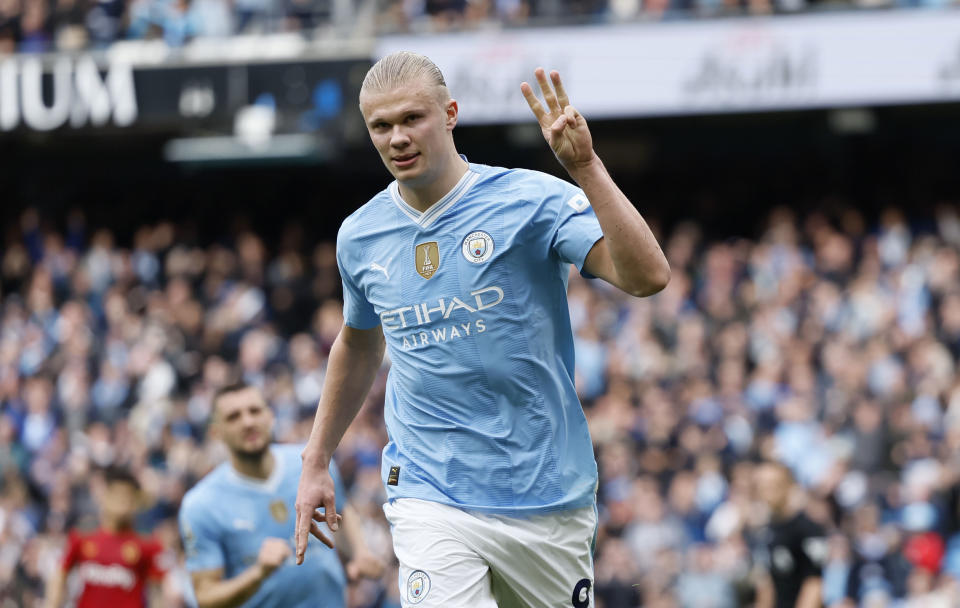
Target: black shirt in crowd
pixel 792 550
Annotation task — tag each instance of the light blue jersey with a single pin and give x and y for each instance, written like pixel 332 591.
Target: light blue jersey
pixel 226 516
pixel 481 408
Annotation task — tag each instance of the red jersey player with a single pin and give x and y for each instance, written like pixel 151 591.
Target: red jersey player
pixel 114 562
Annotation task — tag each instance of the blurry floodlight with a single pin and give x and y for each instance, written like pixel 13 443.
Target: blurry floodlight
pixel 292 147
pixel 853 121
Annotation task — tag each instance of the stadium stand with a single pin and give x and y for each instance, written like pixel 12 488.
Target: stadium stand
pixel 826 342
pixel 36 26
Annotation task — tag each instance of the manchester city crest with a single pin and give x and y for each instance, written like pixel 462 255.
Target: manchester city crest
pixel 279 511
pixel 418 586
pixel 478 247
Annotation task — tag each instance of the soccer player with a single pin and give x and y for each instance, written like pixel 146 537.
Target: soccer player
pixel 793 549
pixel 461 270
pixel 114 563
pixel 237 522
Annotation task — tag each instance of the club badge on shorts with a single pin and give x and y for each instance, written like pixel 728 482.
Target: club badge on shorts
pixel 418 586
pixel 478 247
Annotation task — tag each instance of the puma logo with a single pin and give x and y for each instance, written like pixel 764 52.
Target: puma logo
pixel 375 266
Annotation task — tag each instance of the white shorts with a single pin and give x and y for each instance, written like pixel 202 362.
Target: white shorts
pixel 463 559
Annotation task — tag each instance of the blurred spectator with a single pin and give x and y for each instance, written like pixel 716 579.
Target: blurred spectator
pixel 794 549
pixel 9 25
pixel 69 33
pixel 105 22
pixel 35 27
pixel 113 566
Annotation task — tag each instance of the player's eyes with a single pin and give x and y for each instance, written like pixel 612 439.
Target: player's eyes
pixel 413 117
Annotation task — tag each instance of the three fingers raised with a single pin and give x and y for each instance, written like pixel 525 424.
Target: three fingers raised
pixel 548 94
pixel 555 96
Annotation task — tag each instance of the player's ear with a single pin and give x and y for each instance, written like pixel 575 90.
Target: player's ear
pixel 452 111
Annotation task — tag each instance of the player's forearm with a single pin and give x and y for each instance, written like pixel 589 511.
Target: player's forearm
pixel 811 594
pixel 765 593
pixel 56 590
pixel 155 595
pixel 351 368
pixel 641 267
pixel 232 591
pixel 353 533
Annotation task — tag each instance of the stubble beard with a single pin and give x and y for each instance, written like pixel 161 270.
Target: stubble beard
pixel 251 456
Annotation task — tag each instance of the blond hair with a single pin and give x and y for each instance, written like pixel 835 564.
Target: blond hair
pixel 402 68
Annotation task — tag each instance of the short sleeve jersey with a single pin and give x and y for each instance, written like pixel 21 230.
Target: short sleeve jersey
pixel 792 551
pixel 113 567
pixel 481 408
pixel 226 517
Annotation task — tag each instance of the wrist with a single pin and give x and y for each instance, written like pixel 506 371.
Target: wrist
pixel 587 170
pixel 260 572
pixel 315 457
pixel 360 554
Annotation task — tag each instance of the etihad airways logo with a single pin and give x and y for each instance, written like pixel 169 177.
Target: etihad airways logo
pixel 424 312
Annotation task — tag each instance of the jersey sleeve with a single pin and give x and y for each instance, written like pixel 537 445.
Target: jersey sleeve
pixel 357 310
pixel 575 228
pixel 813 552
pixel 157 560
pixel 71 552
pixel 201 543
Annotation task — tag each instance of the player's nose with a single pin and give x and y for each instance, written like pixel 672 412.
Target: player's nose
pixel 399 138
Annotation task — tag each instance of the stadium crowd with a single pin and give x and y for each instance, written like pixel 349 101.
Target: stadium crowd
pixel 824 343
pixel 36 26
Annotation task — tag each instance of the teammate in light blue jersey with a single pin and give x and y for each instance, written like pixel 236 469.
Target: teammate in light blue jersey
pixel 238 522
pixel 460 271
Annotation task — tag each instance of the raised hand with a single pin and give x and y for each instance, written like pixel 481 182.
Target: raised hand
pixel 563 127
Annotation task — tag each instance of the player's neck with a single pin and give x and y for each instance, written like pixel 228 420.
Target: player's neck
pixel 785 512
pixel 116 526
pixel 257 467
pixel 423 196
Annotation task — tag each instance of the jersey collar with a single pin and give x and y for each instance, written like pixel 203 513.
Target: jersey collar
pixel 268 485
pixel 438 208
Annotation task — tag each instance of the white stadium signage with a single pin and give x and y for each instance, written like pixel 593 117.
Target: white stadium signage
pixel 79 96
pixel 746 64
